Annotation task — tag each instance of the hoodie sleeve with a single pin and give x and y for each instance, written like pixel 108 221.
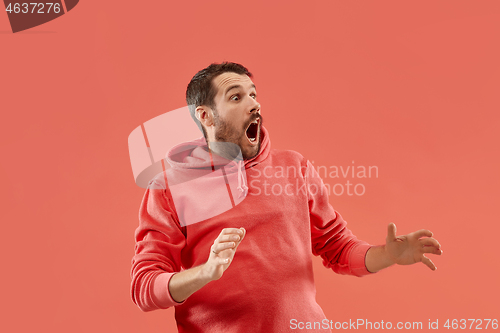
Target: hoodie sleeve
pixel 158 244
pixel 331 239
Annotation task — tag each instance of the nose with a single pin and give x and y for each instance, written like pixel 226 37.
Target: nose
pixel 255 107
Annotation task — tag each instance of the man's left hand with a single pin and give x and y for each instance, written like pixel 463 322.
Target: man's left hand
pixel 411 248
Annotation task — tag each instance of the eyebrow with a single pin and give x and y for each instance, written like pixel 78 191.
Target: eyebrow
pixel 237 86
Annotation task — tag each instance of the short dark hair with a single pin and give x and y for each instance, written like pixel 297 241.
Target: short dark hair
pixel 201 91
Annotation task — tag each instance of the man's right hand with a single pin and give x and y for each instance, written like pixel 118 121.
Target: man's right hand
pixel 222 252
pixel 185 283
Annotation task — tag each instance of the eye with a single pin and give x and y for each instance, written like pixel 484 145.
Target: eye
pixel 235 97
pixel 254 96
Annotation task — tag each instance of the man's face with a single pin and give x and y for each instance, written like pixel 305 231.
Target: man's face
pixel 237 116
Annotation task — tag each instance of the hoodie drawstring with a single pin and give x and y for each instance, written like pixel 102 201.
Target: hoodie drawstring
pixel 243 188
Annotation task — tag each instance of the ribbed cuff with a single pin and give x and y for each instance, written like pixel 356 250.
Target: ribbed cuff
pixel 357 259
pixel 160 292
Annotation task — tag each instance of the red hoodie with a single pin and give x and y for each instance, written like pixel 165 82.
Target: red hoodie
pixel 283 205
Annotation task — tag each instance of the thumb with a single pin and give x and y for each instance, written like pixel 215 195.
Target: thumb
pixel 391 232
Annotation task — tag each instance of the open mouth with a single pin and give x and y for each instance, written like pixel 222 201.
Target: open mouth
pixel 252 131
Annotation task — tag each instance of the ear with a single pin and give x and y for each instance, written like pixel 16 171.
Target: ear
pixel 205 115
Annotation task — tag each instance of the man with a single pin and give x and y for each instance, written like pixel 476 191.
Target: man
pixel 248 268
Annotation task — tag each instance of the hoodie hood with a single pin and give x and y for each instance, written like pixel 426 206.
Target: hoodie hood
pixel 199 176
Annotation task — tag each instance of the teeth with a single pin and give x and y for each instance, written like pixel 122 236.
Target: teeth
pixel 253 139
pixel 255 122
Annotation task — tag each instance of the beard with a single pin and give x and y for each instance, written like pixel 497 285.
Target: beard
pixel 227 132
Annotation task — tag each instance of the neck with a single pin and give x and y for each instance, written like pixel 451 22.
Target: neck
pixel 227 150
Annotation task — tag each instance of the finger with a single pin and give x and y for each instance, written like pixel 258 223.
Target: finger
pixel 429 263
pixel 430 242
pixel 243 236
pixel 227 231
pixel 432 249
pixel 219 247
pixel 229 238
pixel 227 253
pixel 232 250
pixel 423 233
pixel 391 232
pixel 213 251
